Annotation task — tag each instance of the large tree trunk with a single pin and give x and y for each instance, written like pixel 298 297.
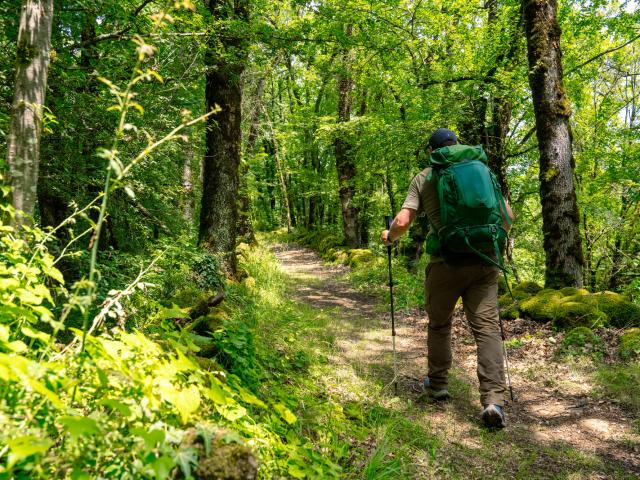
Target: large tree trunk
pixel 23 144
pixel 345 163
pixel 560 216
pixel 219 211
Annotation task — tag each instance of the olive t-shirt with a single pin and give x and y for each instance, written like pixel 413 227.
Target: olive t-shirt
pixel 423 198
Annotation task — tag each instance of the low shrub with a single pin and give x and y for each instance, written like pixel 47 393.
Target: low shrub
pixel 581 340
pixel 629 347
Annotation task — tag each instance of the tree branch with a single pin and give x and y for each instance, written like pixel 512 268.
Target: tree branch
pixel 602 54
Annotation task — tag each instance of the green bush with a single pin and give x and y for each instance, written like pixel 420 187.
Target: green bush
pixel 629 348
pixel 575 311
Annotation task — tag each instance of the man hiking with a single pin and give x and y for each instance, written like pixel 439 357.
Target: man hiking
pixel 458 186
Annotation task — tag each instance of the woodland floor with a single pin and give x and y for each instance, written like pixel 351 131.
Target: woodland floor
pixel 556 428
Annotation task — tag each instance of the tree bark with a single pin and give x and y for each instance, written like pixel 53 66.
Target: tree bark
pixel 345 163
pixel 32 66
pixel 560 216
pixel 219 211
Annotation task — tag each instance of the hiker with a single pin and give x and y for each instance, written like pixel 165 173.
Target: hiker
pixel 458 269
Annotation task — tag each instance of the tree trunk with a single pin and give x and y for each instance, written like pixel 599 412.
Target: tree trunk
pixel 219 211
pixel 560 216
pixel 345 163
pixel 23 143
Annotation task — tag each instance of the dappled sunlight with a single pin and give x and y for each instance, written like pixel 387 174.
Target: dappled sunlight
pixel 553 426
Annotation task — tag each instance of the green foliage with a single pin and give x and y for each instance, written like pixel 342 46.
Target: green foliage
pixel 629 348
pixel 621 382
pixel 580 341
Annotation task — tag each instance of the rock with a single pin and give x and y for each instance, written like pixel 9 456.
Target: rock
pixel 360 256
pixel 227 462
pixel 580 340
pixel 530 288
pixel 621 312
pixel 224 458
pixel 541 307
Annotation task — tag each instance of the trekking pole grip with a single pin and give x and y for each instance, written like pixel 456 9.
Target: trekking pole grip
pixel 388 220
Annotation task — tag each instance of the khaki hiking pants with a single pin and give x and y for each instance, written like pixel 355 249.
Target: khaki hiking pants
pixel 478 287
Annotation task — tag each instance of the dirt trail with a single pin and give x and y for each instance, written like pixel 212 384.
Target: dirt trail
pixel 555 425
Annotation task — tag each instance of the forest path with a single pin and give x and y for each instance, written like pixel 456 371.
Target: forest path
pixel 555 429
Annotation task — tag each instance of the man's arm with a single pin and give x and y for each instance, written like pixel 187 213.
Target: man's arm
pixel 399 226
pixel 507 217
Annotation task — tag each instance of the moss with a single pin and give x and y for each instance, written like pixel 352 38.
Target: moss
pixel 629 348
pixel 527 287
pixel 542 307
pixel 621 312
pixel 581 340
pixel 189 297
pixel 359 257
pixel 574 312
pixel 328 242
pixel 570 291
pixel 508 308
pixel 227 462
pixel 223 458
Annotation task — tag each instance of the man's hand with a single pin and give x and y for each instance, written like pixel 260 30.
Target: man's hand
pixel 384 238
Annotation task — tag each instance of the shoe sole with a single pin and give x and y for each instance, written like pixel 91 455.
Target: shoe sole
pixel 493 419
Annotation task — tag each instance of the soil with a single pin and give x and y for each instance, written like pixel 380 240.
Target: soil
pixel 555 408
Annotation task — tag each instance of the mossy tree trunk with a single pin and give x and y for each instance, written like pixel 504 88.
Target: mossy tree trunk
pixel 32 66
pixel 345 163
pixel 560 216
pixel 225 58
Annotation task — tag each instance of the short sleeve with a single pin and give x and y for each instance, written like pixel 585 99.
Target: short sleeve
pixel 413 196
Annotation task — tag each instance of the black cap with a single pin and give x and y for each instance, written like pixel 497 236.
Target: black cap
pixel 442 137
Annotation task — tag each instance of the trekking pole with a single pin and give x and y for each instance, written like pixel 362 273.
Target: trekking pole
pixel 388 220
pixel 504 347
pixel 506 359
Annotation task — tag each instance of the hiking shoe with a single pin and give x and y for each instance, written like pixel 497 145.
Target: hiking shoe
pixel 493 416
pixel 436 394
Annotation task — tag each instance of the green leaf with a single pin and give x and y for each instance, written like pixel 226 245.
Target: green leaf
pixel 28 332
pixel 231 412
pixel 186 459
pixel 151 438
pixel 285 413
pixel 79 426
pixel 296 472
pixel 116 405
pixel 162 467
pixel 80 475
pixel 23 447
pixel 216 392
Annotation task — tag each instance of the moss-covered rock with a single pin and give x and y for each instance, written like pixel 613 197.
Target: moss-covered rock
pixel 629 348
pixel 360 256
pixel 542 306
pixel 572 291
pixel 581 340
pixel 508 308
pixel 529 288
pixel 221 455
pixel 621 312
pixel 574 311
pixel 189 297
pixel 227 462
pixel 328 242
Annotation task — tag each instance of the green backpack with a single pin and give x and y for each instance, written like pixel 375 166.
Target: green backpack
pixel 471 204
